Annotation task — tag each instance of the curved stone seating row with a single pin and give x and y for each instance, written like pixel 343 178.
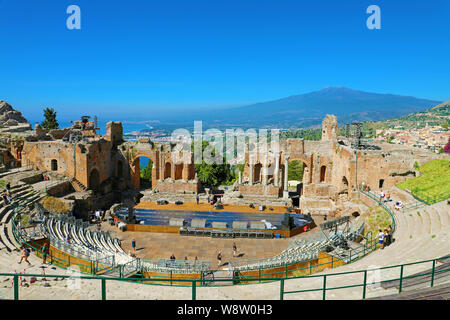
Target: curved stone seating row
pixel 22 195
pixel 93 245
pixel 418 237
pixel 301 250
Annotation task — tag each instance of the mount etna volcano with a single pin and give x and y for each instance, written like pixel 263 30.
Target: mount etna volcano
pixel 310 108
pixel 307 110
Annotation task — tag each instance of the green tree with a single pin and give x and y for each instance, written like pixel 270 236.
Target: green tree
pixel 50 121
pixel 295 170
pixel 213 175
pixel 146 173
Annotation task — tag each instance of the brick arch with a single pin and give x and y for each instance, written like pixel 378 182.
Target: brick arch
pixel 306 160
pixel 135 170
pixel 167 169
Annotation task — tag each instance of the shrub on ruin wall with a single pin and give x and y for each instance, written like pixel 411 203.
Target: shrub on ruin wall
pixel 53 204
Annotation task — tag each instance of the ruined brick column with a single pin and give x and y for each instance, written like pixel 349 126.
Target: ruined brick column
pixel 265 171
pixel 162 167
pixel 251 170
pixel 172 171
pixel 277 169
pixel 285 186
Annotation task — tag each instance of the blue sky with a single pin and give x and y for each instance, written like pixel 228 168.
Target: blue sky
pixel 138 58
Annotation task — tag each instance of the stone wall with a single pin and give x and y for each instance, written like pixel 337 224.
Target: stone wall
pixel 178 186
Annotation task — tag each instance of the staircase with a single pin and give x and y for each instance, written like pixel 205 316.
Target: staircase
pixel 77 185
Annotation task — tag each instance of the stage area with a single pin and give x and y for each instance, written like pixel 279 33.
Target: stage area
pixel 192 206
pixel 155 246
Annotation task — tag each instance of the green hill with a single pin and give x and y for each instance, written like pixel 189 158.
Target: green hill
pixel 434 185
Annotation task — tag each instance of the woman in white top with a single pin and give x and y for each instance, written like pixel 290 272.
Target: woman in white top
pixel 381 238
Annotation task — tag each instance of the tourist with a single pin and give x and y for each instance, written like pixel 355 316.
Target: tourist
pixel 5 197
pixel 68 239
pixel 398 205
pixel 381 238
pixel 172 257
pixel 44 250
pixel 219 259
pixel 390 234
pixel 133 244
pixel 381 195
pixel 234 249
pixel 387 238
pixel 197 198
pixel 388 197
pixel 8 187
pixel 25 255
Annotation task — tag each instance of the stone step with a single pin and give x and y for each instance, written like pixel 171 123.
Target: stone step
pixel 5 239
pixel 417 224
pixel 436 224
pixel 426 220
pixel 443 216
pixel 10 234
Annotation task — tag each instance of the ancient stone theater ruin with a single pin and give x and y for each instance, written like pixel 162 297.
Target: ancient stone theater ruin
pixel 104 169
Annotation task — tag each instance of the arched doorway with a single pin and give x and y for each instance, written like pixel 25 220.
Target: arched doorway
pixel 178 171
pixel 344 186
pixel 143 170
pixel 54 165
pixel 323 170
pixel 296 171
pixel 258 171
pixel 94 180
pixel 167 170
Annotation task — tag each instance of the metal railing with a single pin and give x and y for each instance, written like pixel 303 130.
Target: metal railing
pixel 375 197
pixel 322 287
pixel 428 198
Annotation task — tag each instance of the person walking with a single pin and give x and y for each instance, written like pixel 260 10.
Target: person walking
pixel 44 250
pixel 388 196
pixel 219 259
pixel 381 195
pixel 197 198
pixel 68 239
pixel 234 249
pixel 133 244
pixel 387 237
pixel 25 254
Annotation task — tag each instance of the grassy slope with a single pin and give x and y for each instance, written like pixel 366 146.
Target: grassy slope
pixel 435 181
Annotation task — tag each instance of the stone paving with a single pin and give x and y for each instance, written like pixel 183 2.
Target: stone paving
pixel 151 245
